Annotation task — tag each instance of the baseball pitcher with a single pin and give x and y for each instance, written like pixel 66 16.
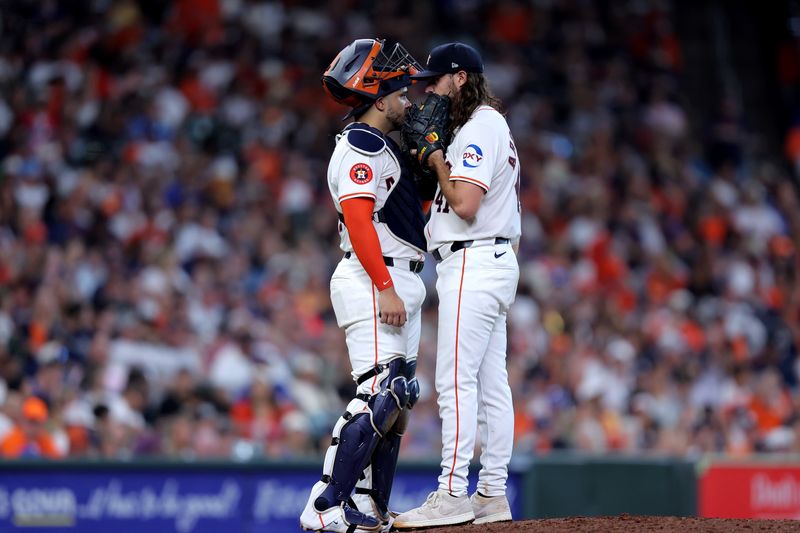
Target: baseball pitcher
pixel 472 232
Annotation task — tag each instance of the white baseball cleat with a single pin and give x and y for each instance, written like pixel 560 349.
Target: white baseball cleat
pixel 338 519
pixel 490 509
pixel 440 509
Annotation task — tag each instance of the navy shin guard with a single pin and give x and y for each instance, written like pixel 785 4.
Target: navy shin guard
pixel 390 400
pixel 357 433
pixel 384 463
pixel 384 458
pixel 353 448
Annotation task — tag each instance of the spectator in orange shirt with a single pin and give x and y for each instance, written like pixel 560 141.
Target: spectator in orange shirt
pixel 29 438
pixel 771 404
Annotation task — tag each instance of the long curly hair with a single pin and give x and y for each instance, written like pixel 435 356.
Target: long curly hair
pixel 473 93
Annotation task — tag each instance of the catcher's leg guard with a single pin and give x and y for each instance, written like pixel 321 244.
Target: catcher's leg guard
pixel 393 396
pixel 364 500
pixel 357 433
pixel 413 384
pixel 384 462
pixel 354 440
pixel 379 475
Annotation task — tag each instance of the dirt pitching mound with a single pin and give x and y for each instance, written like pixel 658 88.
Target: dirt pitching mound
pixel 627 523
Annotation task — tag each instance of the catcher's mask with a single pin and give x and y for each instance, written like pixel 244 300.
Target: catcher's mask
pixel 363 72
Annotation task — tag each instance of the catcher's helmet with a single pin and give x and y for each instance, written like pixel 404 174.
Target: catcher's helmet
pixel 362 72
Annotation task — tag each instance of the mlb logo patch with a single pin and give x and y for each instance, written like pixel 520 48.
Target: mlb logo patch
pixel 472 156
pixel 361 173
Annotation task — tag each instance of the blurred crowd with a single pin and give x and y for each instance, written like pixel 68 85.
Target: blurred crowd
pixel 167 236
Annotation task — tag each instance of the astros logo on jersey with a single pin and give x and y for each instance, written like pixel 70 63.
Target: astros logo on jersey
pixel 432 137
pixel 473 155
pixel 361 173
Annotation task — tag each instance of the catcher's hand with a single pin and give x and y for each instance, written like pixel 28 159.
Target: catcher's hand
pixel 425 128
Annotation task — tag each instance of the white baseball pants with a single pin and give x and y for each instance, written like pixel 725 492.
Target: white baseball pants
pixel 476 286
pixel 355 302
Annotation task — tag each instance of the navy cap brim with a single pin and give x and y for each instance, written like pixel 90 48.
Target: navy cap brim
pixel 425 75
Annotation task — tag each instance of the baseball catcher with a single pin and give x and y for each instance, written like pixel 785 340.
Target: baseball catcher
pixel 376 290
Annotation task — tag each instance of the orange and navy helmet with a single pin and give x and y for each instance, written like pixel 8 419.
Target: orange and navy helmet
pixel 363 72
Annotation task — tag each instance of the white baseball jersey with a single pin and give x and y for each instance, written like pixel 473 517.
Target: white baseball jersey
pixel 482 153
pixel 356 174
pixel 372 170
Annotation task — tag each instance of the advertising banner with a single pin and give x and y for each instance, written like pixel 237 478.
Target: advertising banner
pixel 183 500
pixel 750 490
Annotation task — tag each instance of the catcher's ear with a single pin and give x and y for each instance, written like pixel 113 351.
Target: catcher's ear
pixel 380 104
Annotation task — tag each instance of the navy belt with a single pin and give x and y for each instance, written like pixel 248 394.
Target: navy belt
pixel 459 245
pixel 413 266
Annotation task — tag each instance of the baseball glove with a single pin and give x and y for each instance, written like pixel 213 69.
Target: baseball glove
pixel 425 128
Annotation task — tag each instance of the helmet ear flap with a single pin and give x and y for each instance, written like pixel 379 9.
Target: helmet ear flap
pixel 341 94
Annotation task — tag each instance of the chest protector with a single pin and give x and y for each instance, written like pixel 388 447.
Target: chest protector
pixel 402 211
